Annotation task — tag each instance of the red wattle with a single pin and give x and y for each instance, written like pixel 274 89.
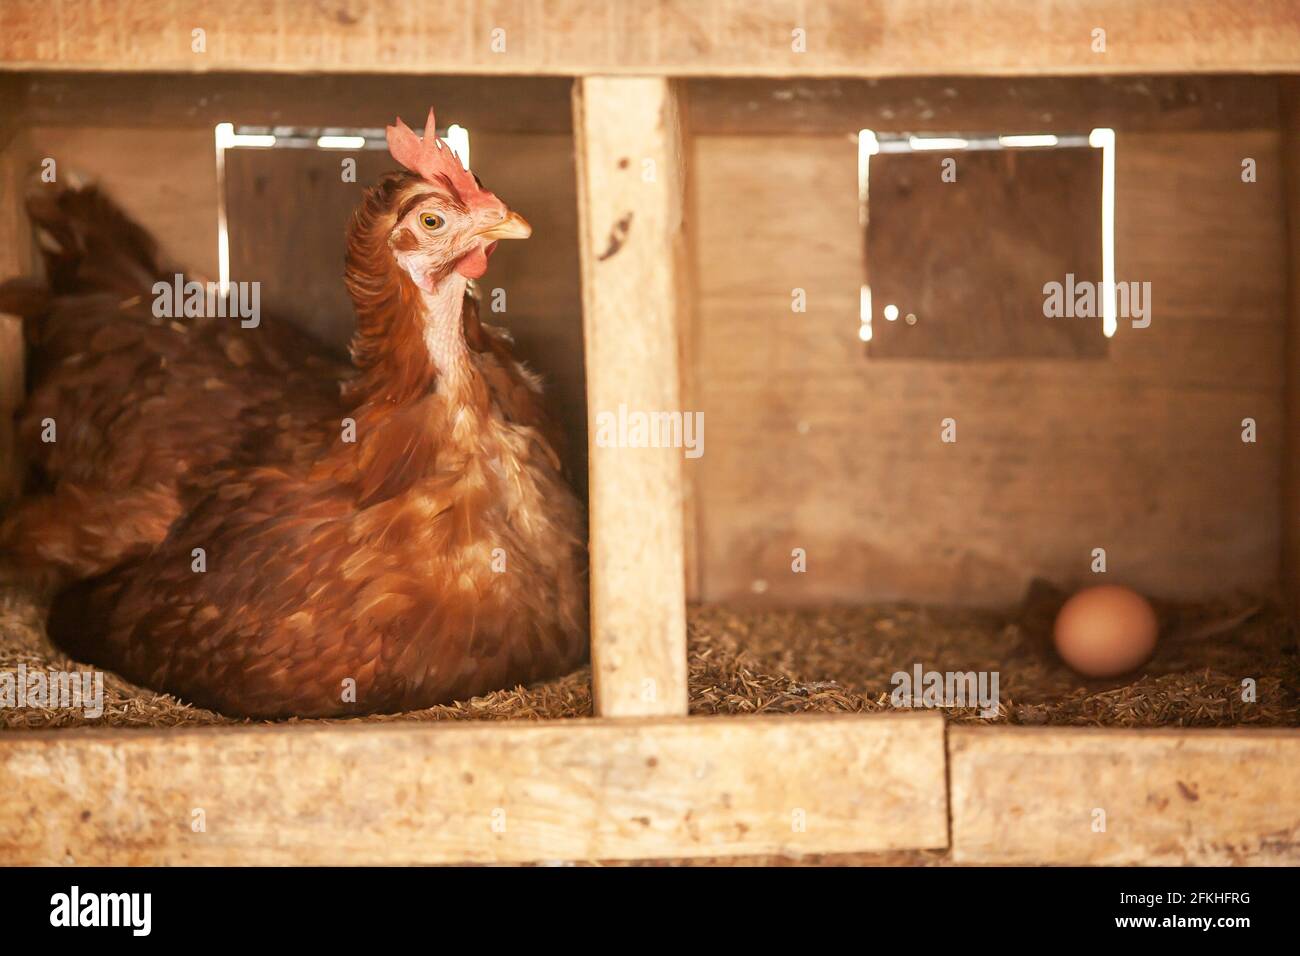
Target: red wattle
pixel 473 264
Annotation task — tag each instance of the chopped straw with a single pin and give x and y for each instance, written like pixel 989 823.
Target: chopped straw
pixel 840 659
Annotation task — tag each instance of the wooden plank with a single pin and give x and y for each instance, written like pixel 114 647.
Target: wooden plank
pixel 725 37
pixel 732 105
pixel 630 213
pixel 349 794
pixel 1290 573
pixel 480 104
pixel 1042 104
pixel 1169 797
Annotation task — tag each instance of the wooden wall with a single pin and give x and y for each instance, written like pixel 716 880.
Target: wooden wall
pixel 809 444
pixel 534 173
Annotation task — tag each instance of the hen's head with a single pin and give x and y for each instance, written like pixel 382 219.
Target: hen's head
pixel 446 220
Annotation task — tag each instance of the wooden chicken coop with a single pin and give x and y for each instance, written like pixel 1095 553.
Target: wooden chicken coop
pixel 739 209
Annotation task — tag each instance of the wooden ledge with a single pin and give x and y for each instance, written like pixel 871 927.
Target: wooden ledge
pixel 484 792
pixel 1169 797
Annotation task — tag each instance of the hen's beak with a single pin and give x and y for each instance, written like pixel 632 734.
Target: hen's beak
pixel 514 226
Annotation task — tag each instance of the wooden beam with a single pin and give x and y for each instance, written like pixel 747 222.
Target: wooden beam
pixel 1041 104
pixel 481 104
pixel 724 37
pixel 348 794
pixel 630 236
pixel 1166 797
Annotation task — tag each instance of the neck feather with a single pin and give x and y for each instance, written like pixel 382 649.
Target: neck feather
pixel 409 343
pixel 444 330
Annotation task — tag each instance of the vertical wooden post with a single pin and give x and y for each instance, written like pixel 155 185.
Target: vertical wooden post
pixel 1291 414
pixel 630 175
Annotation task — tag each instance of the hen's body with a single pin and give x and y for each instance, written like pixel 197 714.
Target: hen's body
pixel 250 539
pixel 145 411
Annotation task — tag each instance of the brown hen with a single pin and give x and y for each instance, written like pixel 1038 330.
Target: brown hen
pixel 227 524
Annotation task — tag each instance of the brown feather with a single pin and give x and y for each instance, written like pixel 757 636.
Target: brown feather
pixel 327 560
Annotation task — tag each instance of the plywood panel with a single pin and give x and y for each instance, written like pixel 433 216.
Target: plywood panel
pixel 535 174
pixel 498 792
pixel 287 213
pixel 165 178
pixel 1093 797
pixel 813 446
pixel 665 37
pixel 963 257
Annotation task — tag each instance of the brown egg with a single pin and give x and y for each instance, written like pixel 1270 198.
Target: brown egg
pixel 1106 631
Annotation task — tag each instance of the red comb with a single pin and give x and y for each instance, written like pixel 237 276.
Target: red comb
pixel 430 157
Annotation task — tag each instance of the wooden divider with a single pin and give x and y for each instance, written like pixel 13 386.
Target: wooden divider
pixel 630 176
pixel 474 792
pixel 1094 796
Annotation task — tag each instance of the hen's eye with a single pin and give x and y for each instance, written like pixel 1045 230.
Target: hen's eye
pixel 431 222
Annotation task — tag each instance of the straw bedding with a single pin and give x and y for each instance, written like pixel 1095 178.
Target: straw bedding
pixel 840 659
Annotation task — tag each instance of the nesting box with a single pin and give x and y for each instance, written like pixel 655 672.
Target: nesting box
pixel 812 300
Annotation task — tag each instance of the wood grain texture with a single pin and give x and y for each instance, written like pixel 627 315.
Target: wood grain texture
pixel 630 210
pixel 967 257
pixel 1170 797
pixel 1291 460
pixel 179 208
pixel 540 278
pixel 811 445
pixel 789 105
pixel 685 261
pixel 15 259
pixel 492 792
pixel 724 37
pixel 11 393
pixel 16 169
pixel 505 104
